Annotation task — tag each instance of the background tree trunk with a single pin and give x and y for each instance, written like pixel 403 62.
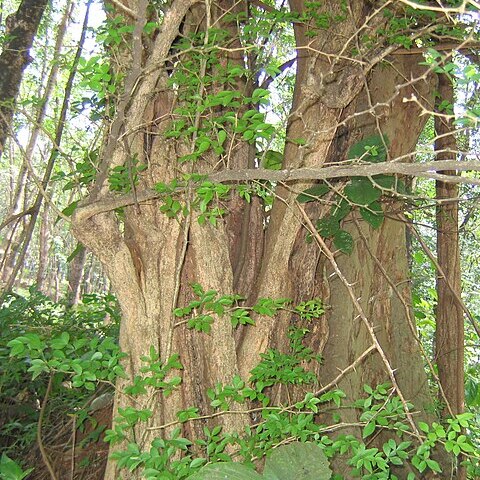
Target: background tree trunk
pixel 450 330
pixel 43 247
pixel 75 276
pixel 21 30
pixel 42 188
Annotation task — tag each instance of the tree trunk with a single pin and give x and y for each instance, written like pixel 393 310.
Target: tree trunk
pixel 75 275
pixel 43 247
pixel 151 259
pixel 449 332
pixel 21 30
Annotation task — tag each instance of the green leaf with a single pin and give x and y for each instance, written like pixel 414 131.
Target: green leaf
pixel 368 429
pixel 272 160
pixel 68 211
pixel 299 461
pixel 248 134
pixel 340 210
pixel 203 146
pixel 16 347
pixel 373 214
pixel 311 194
pixel 370 149
pixel 433 465
pixel 424 427
pixel 222 471
pixel 78 249
pixel 222 136
pixel 59 342
pixel 361 191
pixel 11 470
pixel 343 241
pixel 328 226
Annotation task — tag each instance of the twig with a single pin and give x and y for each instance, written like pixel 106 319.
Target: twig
pixel 74 439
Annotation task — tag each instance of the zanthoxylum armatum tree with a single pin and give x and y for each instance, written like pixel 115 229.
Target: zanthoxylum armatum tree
pixel 205 191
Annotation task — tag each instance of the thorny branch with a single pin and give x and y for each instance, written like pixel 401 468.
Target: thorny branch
pixel 361 314
pixel 423 169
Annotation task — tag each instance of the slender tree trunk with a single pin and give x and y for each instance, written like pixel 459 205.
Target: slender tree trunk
pixel 11 255
pixel 449 333
pixel 21 29
pixel 43 248
pixel 75 275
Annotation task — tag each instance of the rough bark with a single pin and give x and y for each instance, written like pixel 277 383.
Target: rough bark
pixel 151 259
pixel 21 29
pixel 449 331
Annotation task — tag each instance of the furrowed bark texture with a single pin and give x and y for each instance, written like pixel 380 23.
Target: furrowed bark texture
pixel 21 29
pixel 151 259
pixel 449 335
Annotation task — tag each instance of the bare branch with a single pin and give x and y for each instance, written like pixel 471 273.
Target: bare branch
pixel 443 9
pixel 124 8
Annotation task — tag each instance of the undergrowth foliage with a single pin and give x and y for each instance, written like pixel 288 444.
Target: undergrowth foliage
pixel 42 341
pixel 77 350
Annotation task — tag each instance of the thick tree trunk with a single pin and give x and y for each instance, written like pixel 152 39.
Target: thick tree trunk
pixel 21 30
pixel 152 259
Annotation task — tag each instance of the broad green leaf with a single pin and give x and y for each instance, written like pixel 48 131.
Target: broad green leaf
pixel 340 210
pixel 328 226
pixel 343 241
pixel 248 134
pixel 272 160
pixel 61 341
pixel 299 461
pixel 373 214
pixel 311 194
pixel 389 182
pixel 68 211
pixel 11 470
pixel 222 136
pixel 370 149
pixel 203 146
pixel 16 347
pixel 360 191
pixel 222 471
pixel 368 429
